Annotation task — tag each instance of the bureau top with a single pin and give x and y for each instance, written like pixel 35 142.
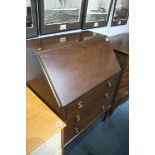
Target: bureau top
pixel 41 122
pixel 120 42
pixel 75 63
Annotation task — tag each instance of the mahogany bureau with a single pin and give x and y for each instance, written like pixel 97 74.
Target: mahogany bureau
pixel 75 75
pixel 120 44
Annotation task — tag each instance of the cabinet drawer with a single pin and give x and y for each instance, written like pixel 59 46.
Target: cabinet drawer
pixel 93 96
pixel 78 117
pixel 74 128
pixel 93 104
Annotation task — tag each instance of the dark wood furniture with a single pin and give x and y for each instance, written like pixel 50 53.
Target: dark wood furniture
pixel 75 75
pixel 120 44
pixel 31 19
pixel 96 13
pixel 121 12
pixel 58 16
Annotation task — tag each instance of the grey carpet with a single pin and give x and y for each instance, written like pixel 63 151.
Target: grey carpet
pixel 104 138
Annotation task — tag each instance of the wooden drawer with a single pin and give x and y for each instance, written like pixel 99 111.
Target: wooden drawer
pixel 78 117
pixel 74 128
pixel 91 105
pixel 82 118
pixel 100 92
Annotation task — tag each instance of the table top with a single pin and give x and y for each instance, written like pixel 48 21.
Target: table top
pixel 120 42
pixel 41 122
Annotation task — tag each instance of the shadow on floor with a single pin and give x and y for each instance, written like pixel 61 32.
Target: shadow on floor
pixel 104 138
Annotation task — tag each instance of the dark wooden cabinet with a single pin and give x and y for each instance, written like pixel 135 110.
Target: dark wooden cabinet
pixel 96 13
pixel 31 19
pixel 75 75
pixel 120 44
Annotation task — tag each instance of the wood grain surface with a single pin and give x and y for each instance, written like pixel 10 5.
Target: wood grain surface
pixel 41 122
pixel 120 43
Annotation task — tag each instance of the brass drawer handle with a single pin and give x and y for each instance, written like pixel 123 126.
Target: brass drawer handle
pixel 80 105
pixel 106 95
pixel 109 84
pixel 78 118
pixel 103 107
pixel 76 130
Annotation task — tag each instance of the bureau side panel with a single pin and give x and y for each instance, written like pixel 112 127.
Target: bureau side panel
pixel 38 82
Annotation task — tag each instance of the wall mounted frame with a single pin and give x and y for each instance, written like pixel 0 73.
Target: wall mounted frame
pixel 31 19
pixel 121 12
pixel 96 13
pixel 59 15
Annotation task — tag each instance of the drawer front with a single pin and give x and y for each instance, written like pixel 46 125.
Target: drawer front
pixel 78 117
pixel 81 119
pixel 105 90
pixel 87 118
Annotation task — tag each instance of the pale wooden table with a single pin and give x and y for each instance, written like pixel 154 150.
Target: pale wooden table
pixel 41 124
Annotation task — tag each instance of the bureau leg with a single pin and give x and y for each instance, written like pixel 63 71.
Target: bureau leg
pixel 104 117
pixel 107 115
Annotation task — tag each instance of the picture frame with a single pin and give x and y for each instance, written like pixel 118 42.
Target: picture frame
pixel 121 13
pixel 31 19
pixel 96 13
pixel 60 15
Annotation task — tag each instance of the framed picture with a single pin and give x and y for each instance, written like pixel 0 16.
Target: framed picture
pixel 60 15
pixel 121 12
pixel 96 13
pixel 31 21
